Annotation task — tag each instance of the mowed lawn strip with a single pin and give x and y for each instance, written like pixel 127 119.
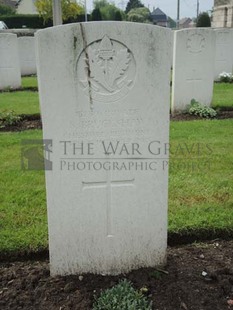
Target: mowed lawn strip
pixel 200 185
pixel 23 222
pixel 27 102
pixel 201 176
pixel 29 81
pixel 223 95
pixel 21 102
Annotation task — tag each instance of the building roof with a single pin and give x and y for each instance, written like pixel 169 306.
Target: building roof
pixel 159 16
pixel 185 20
pixel 158 12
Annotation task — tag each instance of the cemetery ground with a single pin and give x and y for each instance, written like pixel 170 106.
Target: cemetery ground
pixel 198 275
pixel 25 102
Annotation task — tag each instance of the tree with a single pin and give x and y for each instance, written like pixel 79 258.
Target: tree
pixel 171 22
pixel 118 15
pixel 96 14
pixel 107 10
pixel 6 10
pixel 139 15
pixel 98 4
pixel 70 9
pixel 203 20
pixel 132 4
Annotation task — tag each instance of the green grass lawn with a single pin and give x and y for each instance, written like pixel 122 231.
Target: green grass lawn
pixel 27 102
pixel 201 184
pixel 223 95
pixel 21 102
pixel 22 198
pixel 200 196
pixel 29 81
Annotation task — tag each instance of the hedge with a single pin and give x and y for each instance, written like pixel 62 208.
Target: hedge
pixel 33 21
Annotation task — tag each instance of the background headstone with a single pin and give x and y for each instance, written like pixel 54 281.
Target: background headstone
pixel 99 84
pixel 193 67
pixel 224 51
pixel 27 55
pixel 9 61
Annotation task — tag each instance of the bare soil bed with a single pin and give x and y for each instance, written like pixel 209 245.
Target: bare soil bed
pixel 34 121
pixel 197 277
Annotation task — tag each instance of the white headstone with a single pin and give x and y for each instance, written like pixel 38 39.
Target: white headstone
pixel 224 51
pixel 27 55
pixel 100 84
pixel 193 67
pixel 9 61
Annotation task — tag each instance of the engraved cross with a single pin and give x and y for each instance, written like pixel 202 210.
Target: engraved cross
pixel 109 185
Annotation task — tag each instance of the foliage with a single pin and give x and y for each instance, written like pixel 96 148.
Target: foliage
pixel 203 20
pixel 139 15
pixel 6 10
pixel 225 77
pixel 8 118
pixel 21 20
pixel 132 4
pixel 171 22
pixel 98 4
pixel 107 10
pixel 35 21
pixel 118 15
pixel 122 297
pixel 198 109
pixel 96 15
pixel 70 9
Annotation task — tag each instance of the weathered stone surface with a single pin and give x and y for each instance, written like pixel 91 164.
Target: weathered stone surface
pixel 193 67
pixel 9 62
pixel 222 14
pixel 104 98
pixel 27 55
pixel 224 51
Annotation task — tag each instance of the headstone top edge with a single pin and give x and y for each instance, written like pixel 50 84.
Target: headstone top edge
pixel 8 34
pixel 100 23
pixel 195 29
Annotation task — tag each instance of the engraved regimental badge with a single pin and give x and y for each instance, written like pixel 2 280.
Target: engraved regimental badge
pixel 106 70
pixel 196 43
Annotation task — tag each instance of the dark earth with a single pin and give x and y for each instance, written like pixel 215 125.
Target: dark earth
pixel 34 121
pixel 196 277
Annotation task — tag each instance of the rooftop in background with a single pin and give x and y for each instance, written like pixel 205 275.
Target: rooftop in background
pixel 187 22
pixel 159 18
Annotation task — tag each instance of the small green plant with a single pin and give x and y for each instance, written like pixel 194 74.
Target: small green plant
pixel 198 109
pixel 9 118
pixel 156 274
pixel 225 77
pixel 122 297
